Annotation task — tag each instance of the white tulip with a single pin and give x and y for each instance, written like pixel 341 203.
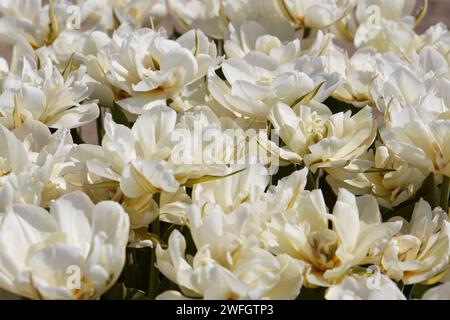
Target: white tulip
pixel 354 240
pixel 357 72
pixel 161 154
pixel 397 184
pixel 357 287
pixel 34 164
pixel 132 163
pixel 314 14
pixel 46 95
pixel 209 145
pixel 419 137
pixel 313 134
pixel 197 94
pixel 79 49
pixel 392 10
pixel 438 37
pixel 148 68
pixel 13 163
pixel 410 84
pixel 402 85
pixel 30 20
pixel 252 36
pixel 103 13
pixel 75 252
pixel 223 269
pixel 229 193
pixel 206 15
pixel 213 16
pixel 421 252
pixel 263 78
pixel 135 157
pixel 393 36
pixel 253 273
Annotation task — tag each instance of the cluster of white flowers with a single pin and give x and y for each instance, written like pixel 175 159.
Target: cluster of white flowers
pixel 242 152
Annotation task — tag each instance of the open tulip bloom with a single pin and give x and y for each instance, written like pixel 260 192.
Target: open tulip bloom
pixel 245 149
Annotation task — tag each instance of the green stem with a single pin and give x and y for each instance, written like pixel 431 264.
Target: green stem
pixel 445 193
pixel 154 272
pixel 313 180
pixel 135 281
pixel 317 178
pixel 219 48
pixel 99 125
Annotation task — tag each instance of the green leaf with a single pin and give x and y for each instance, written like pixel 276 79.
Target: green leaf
pixel 54 25
pixel 309 96
pixel 119 116
pixel 444 193
pixel 284 171
pixel 143 234
pixel 190 245
pixel 68 68
pixel 313 179
pixel 117 292
pixel 135 294
pixel 120 292
pixel 418 291
pixel 404 212
pixel 312 293
pixel 339 106
pixel 428 191
pixel 328 193
pixel 421 15
pixel 99 127
pixel 76 137
pixel 192 182
pixel 154 280
pixel 167 232
pixel 166 284
pixel 376 170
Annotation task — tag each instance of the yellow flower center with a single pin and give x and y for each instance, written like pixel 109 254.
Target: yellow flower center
pixel 324 244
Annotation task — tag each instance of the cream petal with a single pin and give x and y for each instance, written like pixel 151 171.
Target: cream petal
pixel 75 117
pixel 12 150
pixel 49 268
pixel 72 213
pixel 441 292
pixel 347 219
pixel 357 288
